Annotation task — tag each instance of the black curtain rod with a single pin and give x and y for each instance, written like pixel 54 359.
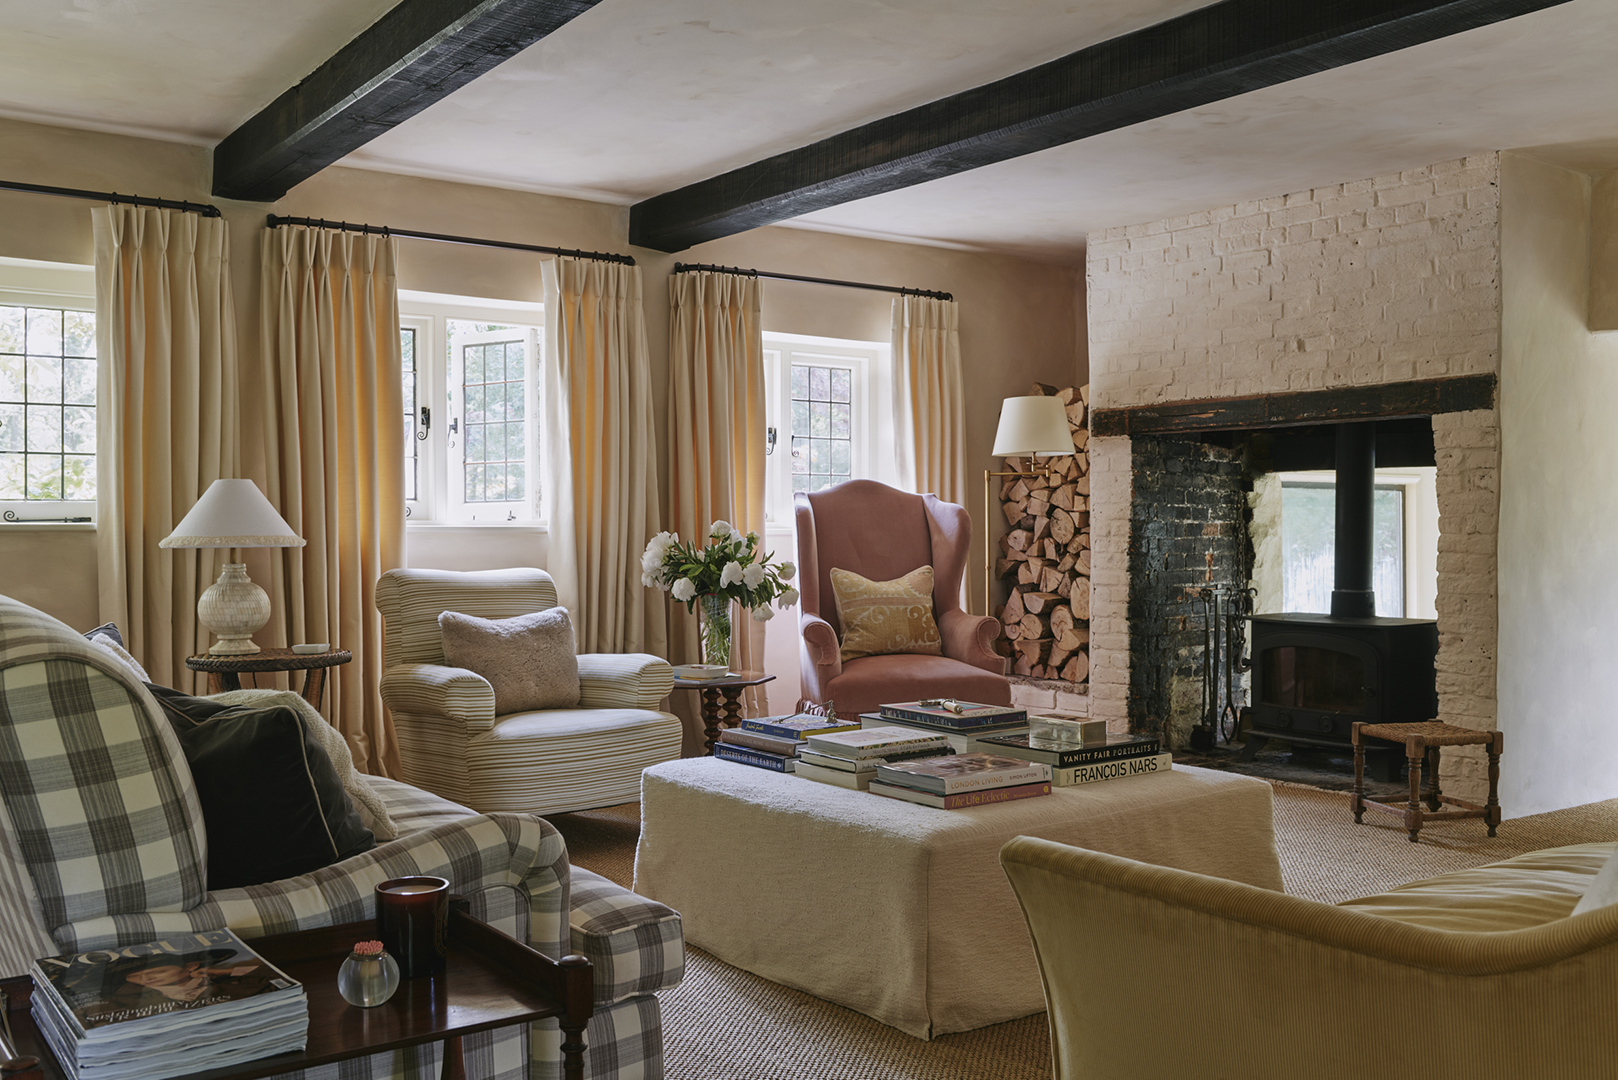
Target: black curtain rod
pixel 682 268
pixel 443 238
pixel 111 196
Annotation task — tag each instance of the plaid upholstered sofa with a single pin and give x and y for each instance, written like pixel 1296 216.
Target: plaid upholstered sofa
pixel 102 843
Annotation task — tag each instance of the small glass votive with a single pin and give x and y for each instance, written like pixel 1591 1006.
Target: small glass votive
pixel 412 919
pixel 369 976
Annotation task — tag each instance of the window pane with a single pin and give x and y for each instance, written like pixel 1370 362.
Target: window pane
pixel 516 480
pixel 474 483
pixel 819 419
pixel 79 382
pixel 495 477
pixel 474 406
pixel 412 414
pixel 79 334
pixel 45 331
pixel 840 422
pixel 800 456
pixel 822 424
pixel 79 430
pixel 11 428
pixel 80 472
pixel 11 476
pixel 44 476
pixel 473 355
pixel 516 448
pixel 11 330
pixel 45 431
pixel 1388 546
pixel 11 378
pixel 800 382
pixel 841 379
pixel 474 442
pixel 800 418
pixel 1308 540
pixel 840 455
pixel 819 384
pixel 44 377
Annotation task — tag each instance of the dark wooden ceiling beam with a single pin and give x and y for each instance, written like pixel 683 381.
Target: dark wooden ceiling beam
pixel 1203 56
pixel 416 54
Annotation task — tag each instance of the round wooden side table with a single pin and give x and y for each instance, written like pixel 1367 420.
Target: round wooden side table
pixel 722 700
pixel 225 672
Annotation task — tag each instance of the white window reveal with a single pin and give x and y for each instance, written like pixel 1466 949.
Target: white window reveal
pixel 830 416
pixel 48 390
pixel 471 379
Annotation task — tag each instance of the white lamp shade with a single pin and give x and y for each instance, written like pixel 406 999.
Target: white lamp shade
pixel 1032 426
pixel 232 514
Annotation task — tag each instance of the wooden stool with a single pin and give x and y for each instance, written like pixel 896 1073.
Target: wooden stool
pixel 1422 742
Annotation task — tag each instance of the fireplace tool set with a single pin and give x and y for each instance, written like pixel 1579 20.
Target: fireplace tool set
pixel 1226 610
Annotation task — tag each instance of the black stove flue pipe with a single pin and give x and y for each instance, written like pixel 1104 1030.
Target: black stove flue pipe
pixel 1353 595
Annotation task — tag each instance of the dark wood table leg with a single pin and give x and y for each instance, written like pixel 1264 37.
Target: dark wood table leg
pixel 711 714
pixel 1491 809
pixel 1359 776
pixel 733 706
pixel 454 1066
pixel 1414 751
pixel 1433 761
pixel 578 996
pixel 314 686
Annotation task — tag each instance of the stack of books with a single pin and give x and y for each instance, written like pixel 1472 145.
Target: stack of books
pixel 962 780
pixel 1117 756
pixel 180 1005
pixel 773 742
pixel 850 759
pixel 962 722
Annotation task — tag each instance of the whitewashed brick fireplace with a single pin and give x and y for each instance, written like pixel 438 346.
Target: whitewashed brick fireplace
pixel 1372 282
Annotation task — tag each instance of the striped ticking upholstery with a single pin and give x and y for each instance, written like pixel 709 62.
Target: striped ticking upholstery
pixel 547 762
pixel 636 944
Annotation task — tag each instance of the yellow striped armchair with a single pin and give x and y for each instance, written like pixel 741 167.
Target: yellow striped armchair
pixel 546 762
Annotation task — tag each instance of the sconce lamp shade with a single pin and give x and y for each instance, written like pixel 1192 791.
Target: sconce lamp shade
pixel 232 514
pixel 1032 427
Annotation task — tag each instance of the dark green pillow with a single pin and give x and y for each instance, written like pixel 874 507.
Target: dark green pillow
pixel 271 800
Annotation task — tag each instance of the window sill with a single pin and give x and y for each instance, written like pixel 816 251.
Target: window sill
pixel 47 526
pixel 474 526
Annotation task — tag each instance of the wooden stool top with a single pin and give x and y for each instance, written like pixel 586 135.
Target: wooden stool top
pixel 1430 732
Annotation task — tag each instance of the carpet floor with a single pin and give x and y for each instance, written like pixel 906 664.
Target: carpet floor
pixel 722 1023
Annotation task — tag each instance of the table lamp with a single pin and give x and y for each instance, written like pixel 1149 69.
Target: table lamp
pixel 1032 427
pixel 233 514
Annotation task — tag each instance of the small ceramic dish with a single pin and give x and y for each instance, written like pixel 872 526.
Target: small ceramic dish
pixel 701 672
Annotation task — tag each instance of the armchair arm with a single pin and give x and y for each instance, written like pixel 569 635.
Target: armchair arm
pixel 623 680
pixel 820 654
pixel 970 639
pixel 1178 940
pixel 512 866
pixel 436 690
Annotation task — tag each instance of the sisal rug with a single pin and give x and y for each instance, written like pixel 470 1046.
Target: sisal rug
pixel 722 1023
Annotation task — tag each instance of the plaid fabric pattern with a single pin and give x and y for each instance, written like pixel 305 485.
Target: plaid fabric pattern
pixel 623 1042
pixel 97 791
pixel 623 680
pixel 637 945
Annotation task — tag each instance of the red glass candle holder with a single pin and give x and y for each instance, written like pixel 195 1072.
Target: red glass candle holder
pixel 412 920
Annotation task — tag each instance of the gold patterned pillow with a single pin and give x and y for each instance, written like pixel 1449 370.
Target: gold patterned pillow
pixel 886 616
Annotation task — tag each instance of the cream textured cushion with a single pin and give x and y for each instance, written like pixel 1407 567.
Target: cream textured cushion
pixel 881 617
pixel 529 660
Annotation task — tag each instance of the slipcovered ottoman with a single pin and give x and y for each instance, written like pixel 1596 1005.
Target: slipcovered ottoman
pixel 901 911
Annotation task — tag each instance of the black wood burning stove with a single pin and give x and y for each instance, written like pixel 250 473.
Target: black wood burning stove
pixel 1315 675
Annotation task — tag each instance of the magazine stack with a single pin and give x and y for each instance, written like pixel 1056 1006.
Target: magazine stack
pixel 962 780
pixel 774 741
pixel 180 1005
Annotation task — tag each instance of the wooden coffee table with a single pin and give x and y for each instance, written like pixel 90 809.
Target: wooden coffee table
pixel 492 981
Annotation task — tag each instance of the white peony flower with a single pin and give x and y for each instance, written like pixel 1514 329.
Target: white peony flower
pixel 736 536
pixel 657 549
pixel 731 574
pixel 788 597
pixel 719 530
pixel 753 576
pixel 683 590
pixel 786 570
pixel 763 613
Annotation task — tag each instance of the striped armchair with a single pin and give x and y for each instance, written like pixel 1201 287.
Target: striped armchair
pixel 102 843
pixel 553 761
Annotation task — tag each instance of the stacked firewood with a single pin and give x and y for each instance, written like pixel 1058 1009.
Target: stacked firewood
pixel 1046 554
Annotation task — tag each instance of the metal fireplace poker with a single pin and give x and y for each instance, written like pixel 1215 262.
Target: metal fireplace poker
pixel 1226 609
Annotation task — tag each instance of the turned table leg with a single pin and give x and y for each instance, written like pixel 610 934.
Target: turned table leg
pixel 1359 776
pixel 712 712
pixel 1414 751
pixel 1491 809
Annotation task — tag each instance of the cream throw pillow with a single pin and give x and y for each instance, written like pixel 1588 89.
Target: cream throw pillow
pixel 529 660
pixel 881 617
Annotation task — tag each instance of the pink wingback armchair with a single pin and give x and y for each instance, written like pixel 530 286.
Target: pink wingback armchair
pixel 882 533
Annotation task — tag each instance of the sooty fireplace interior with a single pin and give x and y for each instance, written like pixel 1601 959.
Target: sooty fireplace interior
pixel 1315 675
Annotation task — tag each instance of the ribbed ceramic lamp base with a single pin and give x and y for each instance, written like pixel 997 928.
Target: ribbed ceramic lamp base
pixel 234 609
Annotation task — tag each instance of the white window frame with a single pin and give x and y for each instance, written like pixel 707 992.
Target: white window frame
pixel 439 480
pixel 871 418
pixel 62 287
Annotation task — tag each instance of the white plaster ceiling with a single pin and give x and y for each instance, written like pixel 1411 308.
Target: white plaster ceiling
pixel 640 96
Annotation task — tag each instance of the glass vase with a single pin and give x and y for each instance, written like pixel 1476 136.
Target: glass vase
pixel 368 979
pixel 715 615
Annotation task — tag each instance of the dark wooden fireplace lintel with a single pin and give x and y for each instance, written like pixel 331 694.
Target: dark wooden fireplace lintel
pixel 1423 397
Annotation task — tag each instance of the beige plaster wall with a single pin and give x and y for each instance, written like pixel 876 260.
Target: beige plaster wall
pixel 1019 319
pixel 1558 516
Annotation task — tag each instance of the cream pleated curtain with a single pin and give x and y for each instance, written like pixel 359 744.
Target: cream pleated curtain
pixel 928 402
pixel 601 488
pixel 716 447
pixel 334 438
pixel 166 425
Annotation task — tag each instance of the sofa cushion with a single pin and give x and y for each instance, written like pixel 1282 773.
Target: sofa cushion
pixel 880 617
pixel 271 800
pixel 1516 894
pixel 530 660
pixel 635 945
pixel 567 759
